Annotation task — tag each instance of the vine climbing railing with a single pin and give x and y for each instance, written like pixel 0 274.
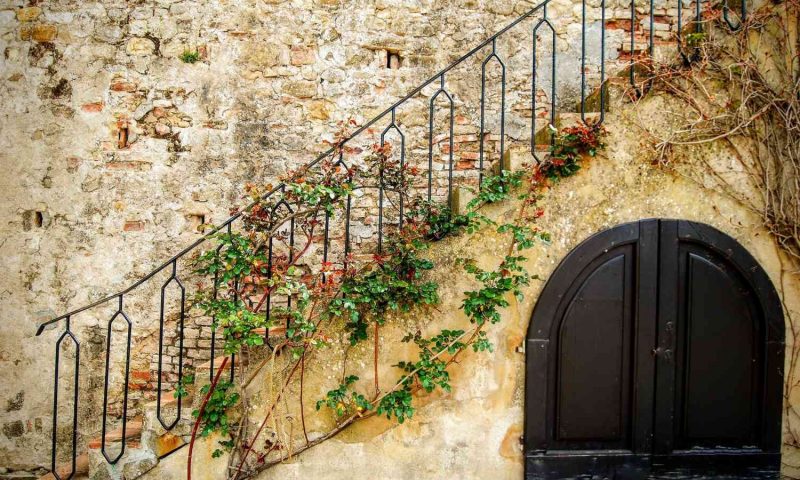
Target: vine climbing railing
pixel 306 224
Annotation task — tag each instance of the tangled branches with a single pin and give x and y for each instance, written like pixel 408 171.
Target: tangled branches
pixel 743 88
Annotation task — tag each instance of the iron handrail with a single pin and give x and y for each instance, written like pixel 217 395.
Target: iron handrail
pixel 319 158
pixel 543 24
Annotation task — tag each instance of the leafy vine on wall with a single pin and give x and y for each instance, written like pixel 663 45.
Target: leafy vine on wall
pixel 354 295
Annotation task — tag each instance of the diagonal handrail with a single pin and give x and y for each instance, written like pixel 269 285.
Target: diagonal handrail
pixel 445 93
pixel 319 158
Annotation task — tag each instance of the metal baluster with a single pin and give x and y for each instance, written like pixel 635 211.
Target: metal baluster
pixel 347 229
pixel 698 28
pixel 67 333
pixel 232 374
pixel 391 126
pixel 441 90
pixel 742 15
pixel 233 297
pixel 602 61
pixel 483 107
pixel 631 71
pixel 347 211
pixel 325 240
pixel 268 304
pixel 119 313
pixel 534 82
pixel 603 58
pixel 172 278
pixel 291 258
pixel 651 46
pixel 215 292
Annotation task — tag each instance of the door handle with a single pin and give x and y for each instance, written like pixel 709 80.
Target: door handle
pixel 664 353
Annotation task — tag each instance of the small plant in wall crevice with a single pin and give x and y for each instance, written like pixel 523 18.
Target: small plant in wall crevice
pixel 190 56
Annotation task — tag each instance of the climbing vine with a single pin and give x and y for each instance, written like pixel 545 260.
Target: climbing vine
pixel 356 295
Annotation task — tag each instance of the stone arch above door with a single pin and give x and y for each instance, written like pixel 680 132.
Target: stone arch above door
pixel 636 343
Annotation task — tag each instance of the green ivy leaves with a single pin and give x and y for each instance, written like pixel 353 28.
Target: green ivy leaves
pixel 395 282
pixel 340 402
pixel 495 188
pixel 398 404
pixel 215 417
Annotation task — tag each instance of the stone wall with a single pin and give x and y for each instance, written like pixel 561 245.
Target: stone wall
pixel 474 431
pixel 127 124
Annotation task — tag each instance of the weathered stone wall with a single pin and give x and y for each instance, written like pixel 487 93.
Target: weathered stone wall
pixel 114 149
pixel 474 431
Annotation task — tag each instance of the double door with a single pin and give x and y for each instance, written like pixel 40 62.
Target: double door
pixel 655 349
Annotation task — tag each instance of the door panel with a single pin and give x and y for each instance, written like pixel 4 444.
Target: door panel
pixel 718 357
pixel 655 350
pixel 594 355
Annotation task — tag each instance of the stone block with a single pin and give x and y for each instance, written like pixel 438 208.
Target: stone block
pixel 40 33
pixel 300 89
pixel 301 55
pixel 593 100
pixel 140 46
pixel 459 199
pixel 28 14
pixel 167 443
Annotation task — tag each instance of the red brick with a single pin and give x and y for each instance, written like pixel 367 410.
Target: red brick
pixel 121 86
pixel 128 165
pixel 133 226
pixel 465 165
pixel 619 25
pixel 93 107
pixel 141 375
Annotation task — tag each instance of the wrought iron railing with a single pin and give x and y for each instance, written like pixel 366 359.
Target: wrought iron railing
pixel 544 42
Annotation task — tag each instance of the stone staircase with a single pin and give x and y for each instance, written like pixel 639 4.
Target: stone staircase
pixel 147 442
pixel 146 439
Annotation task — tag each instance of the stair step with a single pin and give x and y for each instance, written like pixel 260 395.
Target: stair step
pixel 593 99
pixel 240 362
pixel 133 430
pixel 169 398
pixel 167 443
pixel 64 469
pixel 276 331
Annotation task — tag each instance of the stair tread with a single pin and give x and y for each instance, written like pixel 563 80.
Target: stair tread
pixel 133 429
pixel 279 330
pixel 63 469
pixel 218 362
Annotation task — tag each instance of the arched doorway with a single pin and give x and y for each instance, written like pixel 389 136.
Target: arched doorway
pixel 656 347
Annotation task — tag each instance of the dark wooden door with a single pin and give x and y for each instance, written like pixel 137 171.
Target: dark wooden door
pixel 655 349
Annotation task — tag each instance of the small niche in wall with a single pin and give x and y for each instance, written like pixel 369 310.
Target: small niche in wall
pixel 393 60
pixel 122 135
pixel 32 219
pixel 196 221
